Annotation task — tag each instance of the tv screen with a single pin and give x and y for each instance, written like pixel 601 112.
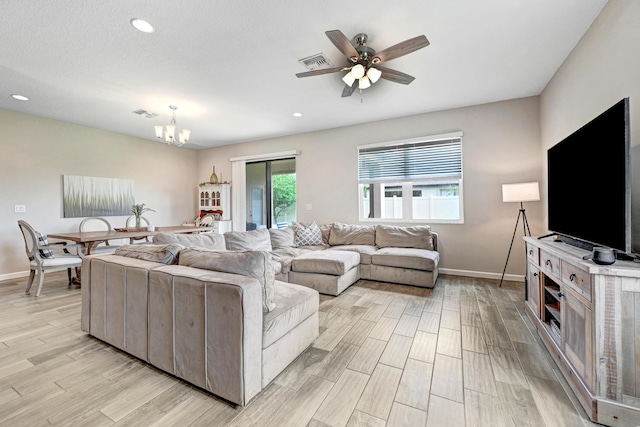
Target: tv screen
pixel 589 186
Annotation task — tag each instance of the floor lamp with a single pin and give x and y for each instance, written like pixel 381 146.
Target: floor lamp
pixel 522 192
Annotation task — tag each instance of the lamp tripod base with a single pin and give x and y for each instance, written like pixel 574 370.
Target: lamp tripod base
pixel 527 232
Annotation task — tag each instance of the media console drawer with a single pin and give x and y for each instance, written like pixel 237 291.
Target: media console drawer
pixel 549 263
pixel 577 279
pixel 532 254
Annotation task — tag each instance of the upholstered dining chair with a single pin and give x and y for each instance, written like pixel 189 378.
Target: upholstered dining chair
pixel 96 223
pixel 41 256
pixel 144 222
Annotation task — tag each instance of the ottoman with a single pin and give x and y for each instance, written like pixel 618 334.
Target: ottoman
pixel 328 271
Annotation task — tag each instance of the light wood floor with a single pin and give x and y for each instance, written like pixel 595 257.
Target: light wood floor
pixel 459 355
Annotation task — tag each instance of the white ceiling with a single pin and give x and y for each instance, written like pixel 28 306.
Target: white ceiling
pixel 230 66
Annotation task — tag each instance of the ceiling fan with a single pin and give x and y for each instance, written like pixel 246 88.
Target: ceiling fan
pixel 365 62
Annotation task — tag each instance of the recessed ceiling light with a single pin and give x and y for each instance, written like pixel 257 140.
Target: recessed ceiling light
pixel 19 97
pixel 297 114
pixel 142 25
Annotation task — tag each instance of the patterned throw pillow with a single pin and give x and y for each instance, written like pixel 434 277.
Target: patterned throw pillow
pixel 307 235
pixel 43 241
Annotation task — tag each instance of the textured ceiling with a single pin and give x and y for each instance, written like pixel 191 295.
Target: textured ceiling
pixel 230 66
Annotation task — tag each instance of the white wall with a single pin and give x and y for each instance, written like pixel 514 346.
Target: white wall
pixel 501 144
pixel 37 152
pixel 602 69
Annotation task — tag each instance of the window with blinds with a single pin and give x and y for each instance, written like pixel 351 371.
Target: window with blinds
pixel 413 180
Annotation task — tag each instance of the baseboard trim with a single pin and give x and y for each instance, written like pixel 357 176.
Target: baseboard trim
pixel 482 274
pixel 17 275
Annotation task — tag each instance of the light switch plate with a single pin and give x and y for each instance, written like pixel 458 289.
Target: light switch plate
pixel 19 208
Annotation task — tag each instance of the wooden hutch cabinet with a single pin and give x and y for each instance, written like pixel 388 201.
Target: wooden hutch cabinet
pixel 588 316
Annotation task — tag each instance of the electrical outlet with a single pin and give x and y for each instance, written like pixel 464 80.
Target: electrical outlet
pixel 19 208
pixel 309 207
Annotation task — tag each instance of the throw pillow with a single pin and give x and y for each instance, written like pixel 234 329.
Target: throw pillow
pixel 165 254
pixel 255 264
pixel 254 240
pixel 307 235
pixel 43 241
pixel 282 238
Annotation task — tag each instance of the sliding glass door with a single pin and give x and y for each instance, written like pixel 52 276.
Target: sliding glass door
pixel 271 193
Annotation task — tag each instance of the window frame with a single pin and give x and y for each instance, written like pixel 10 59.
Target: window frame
pixel 407 202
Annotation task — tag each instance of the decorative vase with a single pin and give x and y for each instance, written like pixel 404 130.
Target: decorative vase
pixel 214 178
pixel 138 222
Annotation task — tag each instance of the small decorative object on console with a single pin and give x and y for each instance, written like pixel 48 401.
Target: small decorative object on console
pixel 138 210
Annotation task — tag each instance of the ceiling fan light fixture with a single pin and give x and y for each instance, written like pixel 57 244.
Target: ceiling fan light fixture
pixel 374 74
pixel 348 79
pixel 364 83
pixel 357 71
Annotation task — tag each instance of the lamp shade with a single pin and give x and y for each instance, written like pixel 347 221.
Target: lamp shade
pixel 373 74
pixel 348 79
pixel 521 192
pixel 364 82
pixel 357 71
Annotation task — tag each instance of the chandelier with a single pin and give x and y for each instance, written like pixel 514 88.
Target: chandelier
pixel 168 132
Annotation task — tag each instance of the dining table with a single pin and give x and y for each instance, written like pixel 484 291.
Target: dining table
pixel 88 239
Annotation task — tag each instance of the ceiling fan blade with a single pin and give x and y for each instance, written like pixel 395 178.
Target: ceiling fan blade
pixel 348 90
pixel 401 49
pixel 395 76
pixel 343 44
pixel 320 71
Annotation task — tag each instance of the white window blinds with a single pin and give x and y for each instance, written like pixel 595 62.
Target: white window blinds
pixel 411 161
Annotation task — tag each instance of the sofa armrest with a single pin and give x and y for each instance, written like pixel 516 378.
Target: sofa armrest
pixel 206 327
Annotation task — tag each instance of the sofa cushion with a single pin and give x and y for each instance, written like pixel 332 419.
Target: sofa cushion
pixel 294 304
pixel 284 256
pixel 415 259
pixel 201 240
pixel 256 264
pixel 365 251
pixel 348 234
pixel 310 235
pixel 165 254
pixel 331 262
pixel 254 240
pixel 389 236
pixel 282 238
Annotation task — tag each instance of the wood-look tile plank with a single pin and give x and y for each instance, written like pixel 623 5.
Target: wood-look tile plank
pixel 359 332
pixel 415 384
pixel 450 319
pixel 299 371
pixel 473 339
pixel 300 409
pixel 402 416
pixel 449 343
pixel 444 412
pixel 361 419
pixel 415 307
pixel 342 399
pixel 520 404
pixel 534 360
pixel 485 410
pixel 407 325
pixel 558 409
pixel 478 375
pixel 383 329
pixel 260 411
pixel 506 366
pixel 395 309
pixel 366 359
pixel 334 363
pixel 424 347
pixel 429 322
pixel 330 337
pixel 396 351
pixel 374 312
pixel 377 397
pixel 433 305
pixel 447 380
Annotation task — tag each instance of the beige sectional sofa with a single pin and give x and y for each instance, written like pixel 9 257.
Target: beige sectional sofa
pixel 218 320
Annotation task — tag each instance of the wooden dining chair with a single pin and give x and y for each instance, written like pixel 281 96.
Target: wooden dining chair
pixel 96 223
pixel 42 257
pixel 131 222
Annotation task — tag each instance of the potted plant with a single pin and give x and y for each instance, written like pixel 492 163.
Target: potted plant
pixel 138 210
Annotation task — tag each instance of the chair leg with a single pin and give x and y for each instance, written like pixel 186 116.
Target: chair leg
pixel 69 275
pixel 40 282
pixel 32 274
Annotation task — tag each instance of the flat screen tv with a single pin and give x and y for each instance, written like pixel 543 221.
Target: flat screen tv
pixel 589 183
